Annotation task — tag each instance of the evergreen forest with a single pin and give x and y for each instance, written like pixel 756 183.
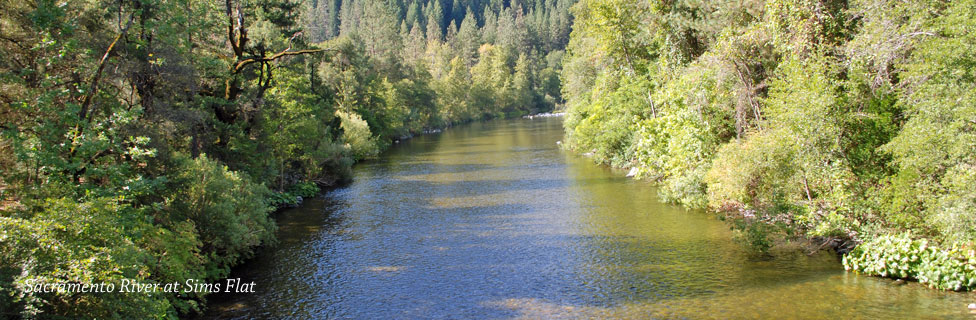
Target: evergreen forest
pixel 153 140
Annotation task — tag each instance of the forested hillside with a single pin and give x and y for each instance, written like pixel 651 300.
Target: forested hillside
pixel 150 140
pixel 849 122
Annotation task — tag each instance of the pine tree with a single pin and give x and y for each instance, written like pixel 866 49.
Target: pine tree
pixel 435 16
pixel 469 39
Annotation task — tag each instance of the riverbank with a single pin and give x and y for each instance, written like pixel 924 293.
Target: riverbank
pixel 889 255
pixel 494 220
pixel 823 133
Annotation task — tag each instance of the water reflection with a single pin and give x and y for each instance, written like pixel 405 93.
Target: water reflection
pixel 492 220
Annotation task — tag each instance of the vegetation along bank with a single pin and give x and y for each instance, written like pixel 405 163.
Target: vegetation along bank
pixel 848 122
pixel 149 141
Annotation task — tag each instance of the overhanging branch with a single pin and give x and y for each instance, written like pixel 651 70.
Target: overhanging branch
pixel 243 63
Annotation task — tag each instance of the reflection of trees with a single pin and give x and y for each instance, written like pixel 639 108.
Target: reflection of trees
pixel 632 247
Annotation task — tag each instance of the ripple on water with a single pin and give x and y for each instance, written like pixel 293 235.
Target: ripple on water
pixel 493 221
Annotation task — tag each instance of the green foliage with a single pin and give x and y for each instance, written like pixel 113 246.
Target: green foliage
pixel 754 172
pixel 636 98
pixel 228 210
pixel 86 242
pixel 356 135
pixel 794 161
pixel 150 140
pixel 691 118
pixel 901 257
pixel 290 197
pixel 412 103
pixel 299 127
pixel 754 235
pixel 453 91
pixel 830 119
pixel 934 150
pixel 305 189
pixel 894 256
pixel 605 126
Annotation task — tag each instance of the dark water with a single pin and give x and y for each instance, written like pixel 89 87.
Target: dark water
pixel 492 220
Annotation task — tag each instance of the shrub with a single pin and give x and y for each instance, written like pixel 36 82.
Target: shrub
pixel 304 189
pixel 229 212
pixel 901 257
pixel 934 150
pixel 357 136
pixel 754 235
pixel 290 197
pixel 758 173
pixel 677 144
pixel 605 127
pixel 67 241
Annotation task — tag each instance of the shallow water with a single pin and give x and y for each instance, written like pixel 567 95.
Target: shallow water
pixel 493 220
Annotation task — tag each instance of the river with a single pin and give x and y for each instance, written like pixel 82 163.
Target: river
pixel 493 220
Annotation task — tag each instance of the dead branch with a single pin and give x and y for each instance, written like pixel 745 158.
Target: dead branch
pixel 93 88
pixel 243 63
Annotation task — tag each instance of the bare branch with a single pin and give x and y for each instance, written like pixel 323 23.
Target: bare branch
pixel 93 88
pixel 243 63
pixel 919 33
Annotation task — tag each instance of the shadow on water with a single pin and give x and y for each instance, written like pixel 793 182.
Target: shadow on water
pixel 492 220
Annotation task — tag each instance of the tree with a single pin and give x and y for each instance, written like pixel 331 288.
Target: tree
pixel 933 151
pixel 380 36
pixel 469 39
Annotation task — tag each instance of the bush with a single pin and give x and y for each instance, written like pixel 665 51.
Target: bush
pixel 87 242
pixel 755 173
pixel 304 189
pixel 357 136
pixel 754 235
pixel 677 144
pixel 290 198
pixel 605 126
pixel 901 257
pixel 229 212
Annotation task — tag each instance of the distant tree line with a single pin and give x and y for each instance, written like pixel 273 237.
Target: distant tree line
pixel 149 140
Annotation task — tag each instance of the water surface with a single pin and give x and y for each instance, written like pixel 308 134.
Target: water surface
pixel 492 220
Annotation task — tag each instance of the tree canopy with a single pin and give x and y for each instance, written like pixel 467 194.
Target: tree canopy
pixel 840 121
pixel 149 140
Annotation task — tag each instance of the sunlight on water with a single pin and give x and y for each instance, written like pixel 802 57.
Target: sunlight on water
pixel 492 220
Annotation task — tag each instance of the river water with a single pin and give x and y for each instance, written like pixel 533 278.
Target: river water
pixel 493 220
